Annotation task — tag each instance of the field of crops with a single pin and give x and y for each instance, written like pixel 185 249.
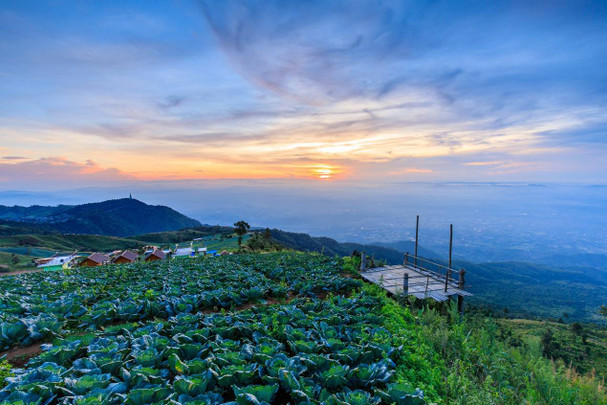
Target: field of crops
pixel 39 306
pixel 165 332
pixel 310 351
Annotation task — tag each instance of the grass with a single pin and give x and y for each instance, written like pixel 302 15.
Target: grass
pixel 16 262
pixel 467 360
pixel 582 347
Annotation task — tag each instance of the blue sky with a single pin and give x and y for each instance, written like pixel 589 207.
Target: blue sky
pixel 116 92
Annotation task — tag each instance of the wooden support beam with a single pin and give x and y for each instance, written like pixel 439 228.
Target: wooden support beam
pixel 450 243
pixel 363 261
pixel 416 238
pixel 405 285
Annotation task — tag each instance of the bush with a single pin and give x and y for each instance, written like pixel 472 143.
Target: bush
pixel 5 371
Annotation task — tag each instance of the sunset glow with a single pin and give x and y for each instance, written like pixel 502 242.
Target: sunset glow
pixel 166 91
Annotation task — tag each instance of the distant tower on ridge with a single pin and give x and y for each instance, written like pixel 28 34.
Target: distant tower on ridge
pixel 130 196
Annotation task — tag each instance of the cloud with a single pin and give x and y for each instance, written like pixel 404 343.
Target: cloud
pixel 56 173
pixel 14 158
pixel 409 170
pixel 317 51
pixel 171 101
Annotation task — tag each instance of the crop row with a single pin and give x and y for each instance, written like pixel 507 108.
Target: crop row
pixel 309 352
pixel 42 305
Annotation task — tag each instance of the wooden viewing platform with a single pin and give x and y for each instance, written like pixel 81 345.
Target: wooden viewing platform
pixel 427 281
pixel 419 277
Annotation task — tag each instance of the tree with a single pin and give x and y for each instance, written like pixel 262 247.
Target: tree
pixel 267 234
pixel 603 310
pixel 241 228
pixel 576 328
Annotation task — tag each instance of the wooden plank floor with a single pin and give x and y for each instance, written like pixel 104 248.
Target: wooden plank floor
pixel 421 284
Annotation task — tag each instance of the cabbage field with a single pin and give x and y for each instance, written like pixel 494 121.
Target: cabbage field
pixel 178 332
pixel 42 305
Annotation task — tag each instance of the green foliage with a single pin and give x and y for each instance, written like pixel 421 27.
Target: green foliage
pixel 241 228
pixel 259 242
pixel 151 340
pixel 42 305
pixel 5 371
pixel 253 356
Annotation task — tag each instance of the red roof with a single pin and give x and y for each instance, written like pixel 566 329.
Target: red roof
pixel 98 258
pixel 130 256
pixel 157 252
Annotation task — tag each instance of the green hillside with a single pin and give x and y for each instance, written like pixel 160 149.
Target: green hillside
pixel 122 217
pixel 259 328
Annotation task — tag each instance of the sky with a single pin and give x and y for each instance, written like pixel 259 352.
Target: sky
pixel 113 92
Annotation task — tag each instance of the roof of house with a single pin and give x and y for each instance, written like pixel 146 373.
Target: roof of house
pixel 182 252
pixel 224 252
pixel 98 258
pixel 202 249
pixel 130 256
pixel 57 261
pixel 156 252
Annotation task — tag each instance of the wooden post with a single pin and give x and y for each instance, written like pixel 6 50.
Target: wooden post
pixel 450 244
pixel 363 261
pixel 406 285
pixel 447 278
pixel 406 258
pixel 427 283
pixel 416 239
pixel 461 284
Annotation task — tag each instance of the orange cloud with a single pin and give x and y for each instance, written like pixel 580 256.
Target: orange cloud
pixel 409 170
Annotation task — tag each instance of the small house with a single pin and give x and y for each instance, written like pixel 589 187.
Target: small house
pixel 152 255
pixel 96 259
pixel 126 257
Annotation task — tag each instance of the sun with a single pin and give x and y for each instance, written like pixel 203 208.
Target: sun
pixel 323 172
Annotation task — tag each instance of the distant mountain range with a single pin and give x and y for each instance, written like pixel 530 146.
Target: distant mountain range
pixel 122 217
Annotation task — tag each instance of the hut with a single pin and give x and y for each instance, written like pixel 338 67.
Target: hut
pixel 126 257
pixel 152 255
pixel 96 259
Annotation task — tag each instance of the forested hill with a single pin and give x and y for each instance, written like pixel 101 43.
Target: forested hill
pixel 121 217
pixel 331 247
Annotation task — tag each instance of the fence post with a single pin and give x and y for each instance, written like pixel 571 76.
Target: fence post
pixel 447 279
pixel 460 285
pixel 406 258
pixel 405 285
pixel 363 261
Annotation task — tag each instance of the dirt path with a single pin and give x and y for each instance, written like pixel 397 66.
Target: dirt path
pixel 19 356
